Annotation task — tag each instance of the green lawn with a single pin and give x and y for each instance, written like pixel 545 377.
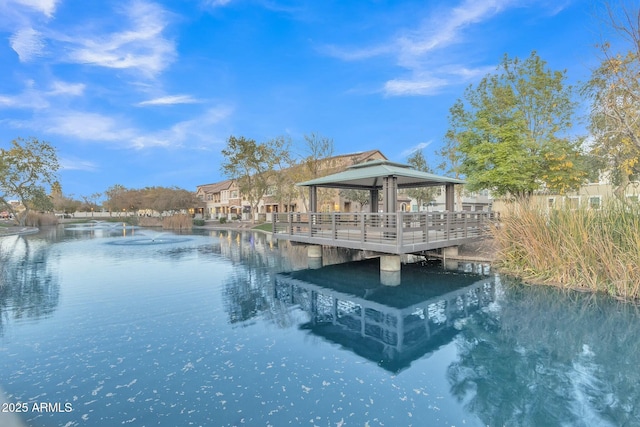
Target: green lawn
pixel 267 226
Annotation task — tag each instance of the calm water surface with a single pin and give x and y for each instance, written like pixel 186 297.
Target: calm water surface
pixel 112 326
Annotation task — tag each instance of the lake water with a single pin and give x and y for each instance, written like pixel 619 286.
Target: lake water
pixel 109 326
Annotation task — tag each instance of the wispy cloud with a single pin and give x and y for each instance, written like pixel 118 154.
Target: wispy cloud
pixel 418 147
pixel 47 7
pixel 215 3
pixel 63 88
pixel 170 100
pixel 72 163
pixel 199 132
pixel 141 46
pixel 37 99
pixel 88 127
pixel 417 85
pixel 27 43
pixel 414 50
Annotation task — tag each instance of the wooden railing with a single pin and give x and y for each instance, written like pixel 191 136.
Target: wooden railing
pixel 402 230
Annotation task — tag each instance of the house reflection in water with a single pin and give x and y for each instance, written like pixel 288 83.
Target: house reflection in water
pixel 392 326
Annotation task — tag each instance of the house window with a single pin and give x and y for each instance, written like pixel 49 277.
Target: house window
pixel 573 202
pixel 551 202
pixel 595 202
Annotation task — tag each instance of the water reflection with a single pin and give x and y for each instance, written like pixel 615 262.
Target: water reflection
pixel 391 326
pixel 29 286
pixel 229 324
pixel 545 357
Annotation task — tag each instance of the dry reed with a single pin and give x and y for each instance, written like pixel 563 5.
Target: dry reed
pixel 177 222
pixel 36 219
pixel 586 249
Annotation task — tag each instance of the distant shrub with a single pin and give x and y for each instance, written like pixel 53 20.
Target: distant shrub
pixel 223 220
pixel 198 222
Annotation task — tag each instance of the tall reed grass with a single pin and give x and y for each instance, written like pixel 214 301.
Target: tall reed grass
pixel 177 222
pixel 36 219
pixel 585 249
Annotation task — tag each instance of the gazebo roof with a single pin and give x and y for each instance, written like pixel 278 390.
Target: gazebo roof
pixel 369 175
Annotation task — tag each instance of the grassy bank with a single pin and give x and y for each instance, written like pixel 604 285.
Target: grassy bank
pixel 586 249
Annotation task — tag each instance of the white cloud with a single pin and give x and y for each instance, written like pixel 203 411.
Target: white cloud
pixel 418 147
pixel 199 131
pixel 215 3
pixel 141 46
pixel 88 127
pixel 415 50
pixel 425 85
pixel 70 163
pixel 357 54
pixel 35 99
pixel 47 7
pixel 63 88
pixel 27 43
pixel 170 100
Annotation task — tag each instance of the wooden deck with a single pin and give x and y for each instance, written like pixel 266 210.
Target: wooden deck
pixel 393 233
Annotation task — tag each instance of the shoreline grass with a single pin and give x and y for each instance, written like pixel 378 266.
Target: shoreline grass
pixel 582 249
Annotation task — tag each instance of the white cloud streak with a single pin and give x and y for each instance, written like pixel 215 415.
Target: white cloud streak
pixel 69 163
pixel 140 47
pixel 414 50
pixel 46 7
pixel 215 3
pixel 170 100
pixel 88 127
pixel 198 130
pixel 418 147
pixel 27 43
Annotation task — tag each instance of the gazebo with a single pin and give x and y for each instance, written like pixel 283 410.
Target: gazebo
pixel 381 175
pixel 389 232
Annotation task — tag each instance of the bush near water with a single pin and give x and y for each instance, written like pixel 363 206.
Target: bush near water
pixel 586 249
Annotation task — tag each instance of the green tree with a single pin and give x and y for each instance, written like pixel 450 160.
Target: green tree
pixel 614 91
pixel 24 170
pixel 422 195
pixel 283 183
pixel 252 166
pixel 509 131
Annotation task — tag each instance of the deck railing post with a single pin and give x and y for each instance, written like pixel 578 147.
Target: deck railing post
pixel 311 224
pixel 426 227
pixel 465 226
pixel 399 230
pixel 290 219
pixel 334 229
pixel 362 231
pixel 448 229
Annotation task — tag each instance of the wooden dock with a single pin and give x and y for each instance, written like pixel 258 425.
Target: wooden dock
pixel 391 233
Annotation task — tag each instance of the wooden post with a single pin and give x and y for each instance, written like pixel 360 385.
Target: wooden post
pixel 449 197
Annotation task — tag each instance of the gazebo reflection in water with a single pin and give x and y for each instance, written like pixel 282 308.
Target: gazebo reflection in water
pixel 391 326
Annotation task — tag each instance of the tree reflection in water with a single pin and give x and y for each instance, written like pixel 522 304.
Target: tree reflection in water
pixel 542 358
pixel 29 287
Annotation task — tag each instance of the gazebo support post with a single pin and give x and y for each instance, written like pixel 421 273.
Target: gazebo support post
pixel 313 199
pixel 373 200
pixel 449 193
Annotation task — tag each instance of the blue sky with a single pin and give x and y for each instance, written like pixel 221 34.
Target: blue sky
pixel 144 93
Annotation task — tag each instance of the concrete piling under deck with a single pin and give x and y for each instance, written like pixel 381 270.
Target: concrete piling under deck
pixel 314 256
pixel 390 267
